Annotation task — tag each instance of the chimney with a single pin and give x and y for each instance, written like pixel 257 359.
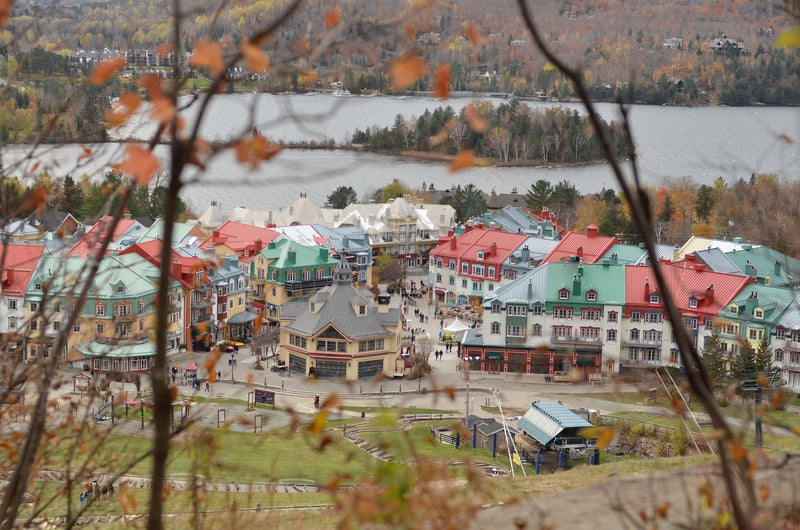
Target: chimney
pixel 451 233
pixel 323 252
pixel 748 268
pixel 493 249
pixel 176 269
pixel 545 213
pixel 579 251
pixel 591 231
pixel 647 289
pixel 291 256
pixel 576 285
pixel 525 254
pixel 737 240
pixel 777 269
pixel 345 241
pixel 453 243
pixel 259 244
pixel 271 244
pixel 271 225
pixel 8 277
pixel 710 294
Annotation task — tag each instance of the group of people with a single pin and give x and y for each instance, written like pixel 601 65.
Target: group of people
pixel 438 354
pixel 86 496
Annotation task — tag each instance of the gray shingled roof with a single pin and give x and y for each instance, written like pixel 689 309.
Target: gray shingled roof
pixel 339 302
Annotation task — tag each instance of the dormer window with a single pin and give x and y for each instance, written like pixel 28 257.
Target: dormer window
pixel 120 289
pixel 654 298
pixel 260 261
pixel 758 313
pixel 480 254
pixel 591 296
pixel 733 310
pixel 246 253
pixel 693 303
pixel 563 294
pixel 362 310
pixel 313 307
pixel 37 286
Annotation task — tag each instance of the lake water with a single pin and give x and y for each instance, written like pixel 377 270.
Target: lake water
pixel 701 143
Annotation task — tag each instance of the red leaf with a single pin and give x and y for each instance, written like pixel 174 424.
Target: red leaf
pixel 122 109
pixel 476 123
pixel 257 60
pixel 333 17
pixel 441 81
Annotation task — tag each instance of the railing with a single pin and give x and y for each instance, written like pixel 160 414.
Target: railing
pixel 576 339
pixel 641 342
pixel 309 284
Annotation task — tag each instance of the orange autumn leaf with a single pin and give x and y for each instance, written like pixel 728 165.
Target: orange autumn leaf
pixel 409 30
pixel 152 83
pixel 333 17
pixel 407 70
pixel 441 81
pixel 662 510
pixel 463 160
pixel 164 48
pixel 476 123
pixel 5 7
pixel 257 60
pixel 738 450
pixel 604 437
pixel 208 55
pixel 474 37
pixel 173 392
pixel 163 111
pixel 139 163
pixel 36 199
pixel 255 150
pixel 103 71
pixel 257 323
pixel 87 153
pixel 126 105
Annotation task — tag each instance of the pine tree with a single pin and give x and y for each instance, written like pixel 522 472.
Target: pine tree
pixel 714 359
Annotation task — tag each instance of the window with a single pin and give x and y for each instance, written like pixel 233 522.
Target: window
pixel 693 303
pixel 465 268
pixel 34 306
pixel 230 304
pixel 636 316
pixel 122 310
pixel 516 310
pixel 452 280
pixel 633 354
pixel 780 334
pixel 100 328
pixel 37 286
pixel 562 332
pixel 477 286
pixel 490 288
pixel 779 356
pixel 758 313
pixel 478 270
pixel 34 325
pixel 590 314
pixel 654 298
pixel 611 335
pixel 709 324
pixel 464 283
pixel 274 275
pixel 12 305
pixel 653 355
pixel 514 331
pixel 510 274
pixel 438 278
pixel 536 330
pixel 496 308
pixel 362 310
pixel 221 307
pixel 755 334
pixel 291 276
pixel 306 276
pixel 452 265
pixel 563 294
pixel 590 334
pixel 495 328
pixel 241 300
pixel 733 310
pixel 123 329
pixel 562 312
pixel 141 306
pixel 76 328
pixel 652 336
pixel 794 358
pixel 653 318
pixel 260 274
pixel 439 262
pixel 491 273
pixel 320 274
pixel 100 309
pixel 480 255
pixel 198 277
pixel 690 323
pixel 591 296
pixel 57 307
pixel 12 322
pixel 613 316
pixel 56 325
pixel 538 310
pixel 634 335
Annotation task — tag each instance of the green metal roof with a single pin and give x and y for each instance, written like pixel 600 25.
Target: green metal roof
pixel 117 351
pixel 607 280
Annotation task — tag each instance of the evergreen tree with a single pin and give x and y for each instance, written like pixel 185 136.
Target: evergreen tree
pixel 539 195
pixel 714 359
pixel 763 356
pixel 71 197
pixel 469 202
pixel 342 196
pixel 745 363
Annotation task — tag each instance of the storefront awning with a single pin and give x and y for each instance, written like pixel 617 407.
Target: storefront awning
pixel 585 361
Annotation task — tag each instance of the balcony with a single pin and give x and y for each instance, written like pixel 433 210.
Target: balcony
pixel 642 343
pixel 319 283
pixel 202 303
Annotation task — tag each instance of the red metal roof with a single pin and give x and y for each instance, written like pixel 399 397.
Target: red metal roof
pixel 239 237
pixel 478 239
pixel 93 239
pixel 589 246
pixel 713 290
pixel 20 262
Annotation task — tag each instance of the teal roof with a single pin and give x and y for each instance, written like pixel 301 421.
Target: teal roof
pixel 290 255
pixel 774 301
pixel 156 231
pixel 529 288
pixel 782 270
pixel 61 275
pixel 629 254
pixel 117 351
pixel 607 280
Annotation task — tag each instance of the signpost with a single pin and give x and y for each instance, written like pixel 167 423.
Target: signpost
pixel 265 397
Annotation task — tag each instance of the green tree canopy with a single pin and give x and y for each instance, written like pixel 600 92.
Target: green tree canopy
pixel 714 359
pixel 538 195
pixel 342 196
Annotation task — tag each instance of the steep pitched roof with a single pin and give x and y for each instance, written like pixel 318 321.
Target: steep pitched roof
pixel 239 236
pixel 695 243
pixel 529 288
pixel 712 290
pixel 18 268
pixel 764 262
pixel 180 232
pixel 286 254
pixel 544 421
pixel 92 240
pixel 774 301
pixel 715 260
pixel 607 281
pixel 590 247
pixel 494 243
pixel 338 310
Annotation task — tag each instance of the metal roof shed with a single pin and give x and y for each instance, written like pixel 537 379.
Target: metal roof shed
pixel 546 421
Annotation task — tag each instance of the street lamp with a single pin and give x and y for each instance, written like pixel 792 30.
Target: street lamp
pixel 468 359
pixel 233 363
